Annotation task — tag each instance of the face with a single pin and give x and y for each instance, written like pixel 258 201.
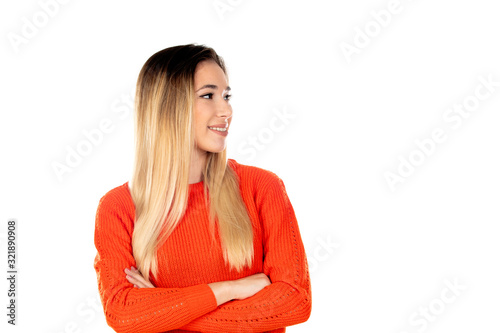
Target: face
pixel 212 107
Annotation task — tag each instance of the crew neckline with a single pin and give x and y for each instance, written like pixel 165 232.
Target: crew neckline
pixel 196 186
pixel 191 186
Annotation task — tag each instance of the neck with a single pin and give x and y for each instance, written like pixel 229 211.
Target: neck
pixel 198 161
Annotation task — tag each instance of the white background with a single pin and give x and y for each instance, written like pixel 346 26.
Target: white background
pixel 379 257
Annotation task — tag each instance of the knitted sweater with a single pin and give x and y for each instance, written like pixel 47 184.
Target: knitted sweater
pixel 182 300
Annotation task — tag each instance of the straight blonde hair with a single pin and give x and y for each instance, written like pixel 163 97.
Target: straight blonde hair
pixel 164 142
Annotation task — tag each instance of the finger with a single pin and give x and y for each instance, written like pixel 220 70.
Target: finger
pixel 134 273
pixel 137 283
pixel 134 277
pixel 132 269
pixel 143 283
pixel 131 277
pixel 139 280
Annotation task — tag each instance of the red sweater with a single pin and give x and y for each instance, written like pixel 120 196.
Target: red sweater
pixel 182 300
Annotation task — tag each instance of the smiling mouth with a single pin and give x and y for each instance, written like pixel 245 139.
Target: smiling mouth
pixel 220 129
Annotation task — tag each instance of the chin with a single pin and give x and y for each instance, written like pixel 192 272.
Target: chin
pixel 215 149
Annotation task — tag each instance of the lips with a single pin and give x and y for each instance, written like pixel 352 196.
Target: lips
pixel 219 125
pixel 219 130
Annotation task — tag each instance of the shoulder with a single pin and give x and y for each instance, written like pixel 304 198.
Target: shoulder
pixel 116 195
pixel 117 203
pixel 255 178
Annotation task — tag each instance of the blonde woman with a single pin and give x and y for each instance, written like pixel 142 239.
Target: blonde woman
pixel 196 241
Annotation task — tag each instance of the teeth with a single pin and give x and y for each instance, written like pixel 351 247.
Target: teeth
pixel 218 129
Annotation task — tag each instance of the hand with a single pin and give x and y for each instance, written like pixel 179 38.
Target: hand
pixel 239 289
pixel 135 277
pixel 249 286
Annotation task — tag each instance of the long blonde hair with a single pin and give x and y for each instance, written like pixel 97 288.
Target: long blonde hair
pixel 164 141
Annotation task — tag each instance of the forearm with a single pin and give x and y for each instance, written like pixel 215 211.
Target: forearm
pixel 276 306
pixel 129 309
pixel 222 291
pixel 239 289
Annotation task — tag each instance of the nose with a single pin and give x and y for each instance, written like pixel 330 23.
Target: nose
pixel 224 109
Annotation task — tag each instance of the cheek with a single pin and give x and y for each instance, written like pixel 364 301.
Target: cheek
pixel 200 132
pixel 200 116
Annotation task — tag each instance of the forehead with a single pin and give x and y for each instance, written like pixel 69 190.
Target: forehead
pixel 208 71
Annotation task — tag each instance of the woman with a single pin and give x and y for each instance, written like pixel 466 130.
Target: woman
pixel 216 243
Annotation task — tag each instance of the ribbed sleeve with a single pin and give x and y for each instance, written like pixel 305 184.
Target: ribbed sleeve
pixel 188 261
pixel 287 301
pixel 128 309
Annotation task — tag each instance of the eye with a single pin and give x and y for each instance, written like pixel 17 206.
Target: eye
pixel 209 94
pixel 228 97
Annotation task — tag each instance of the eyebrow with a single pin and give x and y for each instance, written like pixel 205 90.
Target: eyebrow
pixel 212 86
